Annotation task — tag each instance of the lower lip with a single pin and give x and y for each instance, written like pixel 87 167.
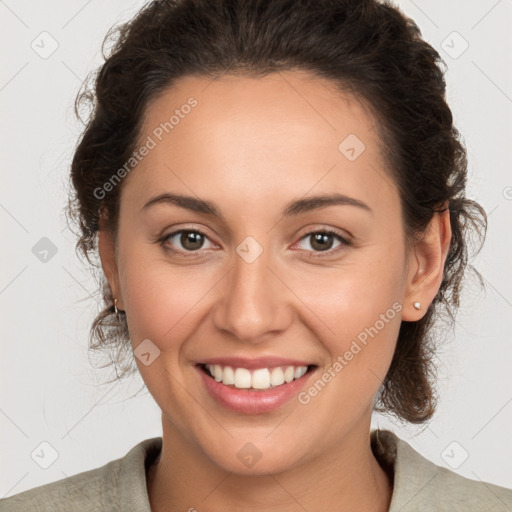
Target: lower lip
pixel 252 402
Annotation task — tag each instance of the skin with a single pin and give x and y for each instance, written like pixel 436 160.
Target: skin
pixel 251 146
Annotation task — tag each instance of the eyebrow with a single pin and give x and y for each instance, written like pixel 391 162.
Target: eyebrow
pixel 293 208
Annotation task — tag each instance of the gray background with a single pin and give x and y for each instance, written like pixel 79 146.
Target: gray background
pixel 49 391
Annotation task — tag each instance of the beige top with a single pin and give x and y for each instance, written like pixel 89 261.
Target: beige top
pixel 120 485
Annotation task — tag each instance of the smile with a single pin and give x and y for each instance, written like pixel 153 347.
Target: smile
pixel 263 387
pixel 259 379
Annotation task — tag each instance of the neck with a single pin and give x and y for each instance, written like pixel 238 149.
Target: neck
pixel 347 478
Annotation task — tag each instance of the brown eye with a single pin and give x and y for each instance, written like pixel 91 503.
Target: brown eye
pixel 323 241
pixel 189 240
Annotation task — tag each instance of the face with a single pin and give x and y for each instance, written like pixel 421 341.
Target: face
pixel 225 258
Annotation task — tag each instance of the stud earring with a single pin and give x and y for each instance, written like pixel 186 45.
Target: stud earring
pixel 116 311
pixel 417 305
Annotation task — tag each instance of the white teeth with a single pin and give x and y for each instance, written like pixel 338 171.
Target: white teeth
pixel 228 376
pixel 299 372
pixel 217 372
pixel 289 374
pixel 262 378
pixel 242 378
pixel 277 377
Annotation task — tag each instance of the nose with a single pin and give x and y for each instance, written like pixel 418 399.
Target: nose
pixel 254 302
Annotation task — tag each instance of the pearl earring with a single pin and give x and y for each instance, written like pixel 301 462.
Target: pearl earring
pixel 115 307
pixel 417 305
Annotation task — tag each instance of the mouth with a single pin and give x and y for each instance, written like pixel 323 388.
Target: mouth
pixel 259 379
pixel 254 390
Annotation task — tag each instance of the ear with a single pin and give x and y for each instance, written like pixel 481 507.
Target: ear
pixel 106 248
pixel 426 266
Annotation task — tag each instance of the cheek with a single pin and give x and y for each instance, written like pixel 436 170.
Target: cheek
pixel 159 305
pixel 358 310
pixel 159 299
pixel 360 342
pixel 354 296
pixel 162 304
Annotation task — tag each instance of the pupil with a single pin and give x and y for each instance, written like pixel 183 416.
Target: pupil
pixel 322 239
pixel 191 240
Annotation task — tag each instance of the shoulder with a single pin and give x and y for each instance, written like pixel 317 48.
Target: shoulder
pixel 121 481
pixel 420 485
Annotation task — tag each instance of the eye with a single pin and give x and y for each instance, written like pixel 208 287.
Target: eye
pixel 322 241
pixel 190 240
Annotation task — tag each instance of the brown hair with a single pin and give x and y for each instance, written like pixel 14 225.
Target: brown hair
pixel 363 46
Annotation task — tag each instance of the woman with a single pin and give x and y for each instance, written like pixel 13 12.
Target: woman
pixel 276 192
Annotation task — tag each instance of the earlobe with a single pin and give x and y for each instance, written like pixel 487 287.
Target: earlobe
pixel 426 267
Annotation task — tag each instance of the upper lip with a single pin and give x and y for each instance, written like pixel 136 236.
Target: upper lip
pixel 254 363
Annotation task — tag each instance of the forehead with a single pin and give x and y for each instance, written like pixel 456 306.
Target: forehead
pixel 288 132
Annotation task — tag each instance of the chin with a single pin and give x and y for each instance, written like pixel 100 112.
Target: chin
pixel 261 467
pixel 255 458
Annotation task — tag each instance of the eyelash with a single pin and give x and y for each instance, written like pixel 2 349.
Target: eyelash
pixel 317 254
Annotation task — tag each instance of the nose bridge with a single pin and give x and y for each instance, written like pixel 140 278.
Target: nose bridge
pixel 253 302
